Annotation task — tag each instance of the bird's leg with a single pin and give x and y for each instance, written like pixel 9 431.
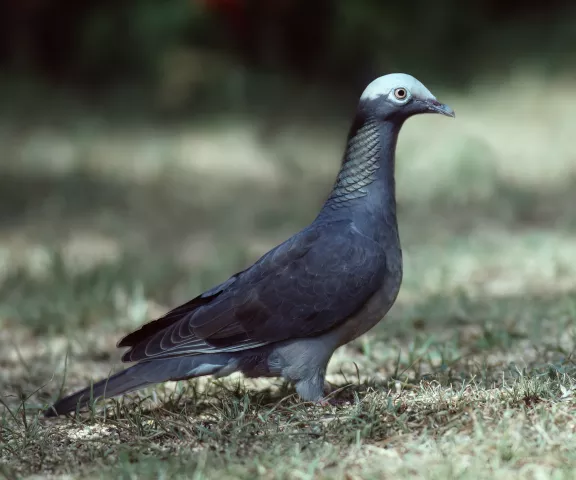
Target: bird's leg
pixel 304 363
pixel 311 388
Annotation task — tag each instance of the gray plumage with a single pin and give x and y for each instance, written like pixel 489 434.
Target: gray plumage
pixel 325 286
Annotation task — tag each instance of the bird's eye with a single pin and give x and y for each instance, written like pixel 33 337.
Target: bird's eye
pixel 400 93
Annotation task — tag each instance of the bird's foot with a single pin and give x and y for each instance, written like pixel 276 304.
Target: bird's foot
pixel 333 402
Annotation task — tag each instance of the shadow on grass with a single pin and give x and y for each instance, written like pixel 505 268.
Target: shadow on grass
pixel 165 210
pixel 169 209
pixel 511 206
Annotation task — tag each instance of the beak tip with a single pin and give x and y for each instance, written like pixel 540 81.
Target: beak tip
pixel 446 110
pixel 436 107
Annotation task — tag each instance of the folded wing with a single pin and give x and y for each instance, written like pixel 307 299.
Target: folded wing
pixel 305 286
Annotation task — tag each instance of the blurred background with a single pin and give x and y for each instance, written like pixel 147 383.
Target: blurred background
pixel 149 149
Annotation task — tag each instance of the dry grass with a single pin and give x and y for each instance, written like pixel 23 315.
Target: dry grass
pixel 470 376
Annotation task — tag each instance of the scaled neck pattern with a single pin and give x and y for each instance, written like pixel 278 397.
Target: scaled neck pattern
pixel 368 165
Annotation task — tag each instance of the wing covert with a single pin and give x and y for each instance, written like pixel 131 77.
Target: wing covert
pixel 309 284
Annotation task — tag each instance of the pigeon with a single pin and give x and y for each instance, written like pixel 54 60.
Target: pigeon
pixel 285 315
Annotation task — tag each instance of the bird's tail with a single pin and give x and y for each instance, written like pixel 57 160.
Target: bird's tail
pixel 143 374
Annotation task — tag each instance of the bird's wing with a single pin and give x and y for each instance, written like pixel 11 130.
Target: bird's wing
pixel 305 286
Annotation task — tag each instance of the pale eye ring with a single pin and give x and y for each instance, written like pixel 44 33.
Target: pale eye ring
pixel 401 93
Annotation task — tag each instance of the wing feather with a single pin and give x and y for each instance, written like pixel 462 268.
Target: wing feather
pixel 305 286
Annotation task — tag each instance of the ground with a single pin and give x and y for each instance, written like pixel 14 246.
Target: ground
pixel 471 375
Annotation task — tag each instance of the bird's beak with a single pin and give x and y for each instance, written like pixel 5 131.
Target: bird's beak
pixel 434 106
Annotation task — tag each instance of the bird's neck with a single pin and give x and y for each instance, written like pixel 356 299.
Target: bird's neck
pixel 365 188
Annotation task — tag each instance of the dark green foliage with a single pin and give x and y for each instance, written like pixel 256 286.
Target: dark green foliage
pixel 94 43
pixel 131 37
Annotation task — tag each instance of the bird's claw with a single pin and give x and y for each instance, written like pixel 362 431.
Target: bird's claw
pixel 332 402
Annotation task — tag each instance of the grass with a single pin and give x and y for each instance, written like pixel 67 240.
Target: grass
pixel 471 375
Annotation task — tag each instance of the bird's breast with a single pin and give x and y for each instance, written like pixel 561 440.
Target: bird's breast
pixel 378 304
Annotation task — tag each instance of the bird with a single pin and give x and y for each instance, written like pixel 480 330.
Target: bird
pixel 285 315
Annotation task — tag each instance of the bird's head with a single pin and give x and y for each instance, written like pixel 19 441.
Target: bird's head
pixel 398 96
